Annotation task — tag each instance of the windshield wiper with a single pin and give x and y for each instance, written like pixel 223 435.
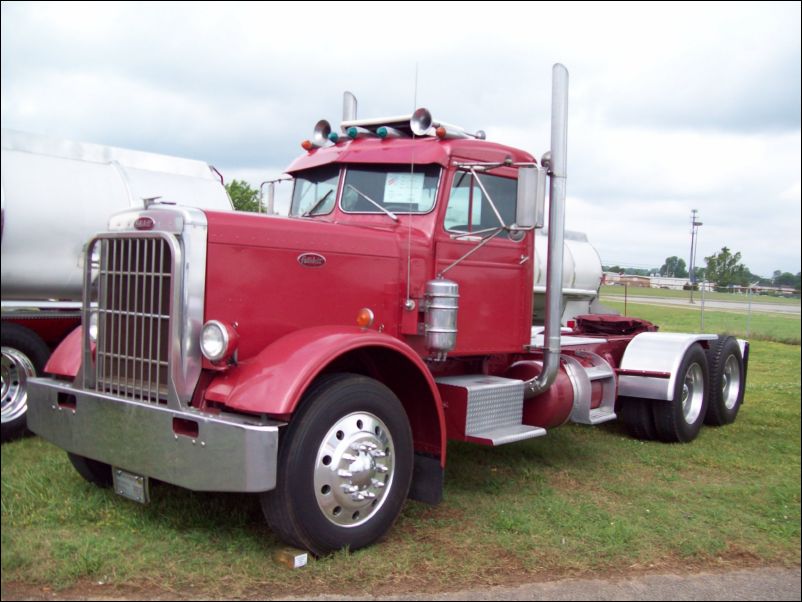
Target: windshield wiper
pixel 372 202
pixel 318 204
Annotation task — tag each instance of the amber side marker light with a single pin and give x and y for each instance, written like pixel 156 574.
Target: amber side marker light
pixel 364 319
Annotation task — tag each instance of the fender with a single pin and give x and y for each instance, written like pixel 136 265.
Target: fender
pixel 274 381
pixel 66 359
pixel 656 356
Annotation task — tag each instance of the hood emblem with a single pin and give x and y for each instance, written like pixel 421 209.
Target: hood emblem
pixel 311 260
pixel 144 223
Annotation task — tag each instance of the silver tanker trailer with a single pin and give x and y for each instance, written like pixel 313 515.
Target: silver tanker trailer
pixel 56 194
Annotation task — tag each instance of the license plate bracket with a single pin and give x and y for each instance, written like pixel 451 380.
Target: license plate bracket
pixel 131 486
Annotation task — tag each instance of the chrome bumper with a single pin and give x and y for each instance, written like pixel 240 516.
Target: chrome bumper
pixel 229 453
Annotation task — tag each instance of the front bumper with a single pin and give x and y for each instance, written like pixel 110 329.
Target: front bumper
pixel 229 452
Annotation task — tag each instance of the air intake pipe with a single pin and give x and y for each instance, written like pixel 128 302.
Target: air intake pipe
pixel 554 161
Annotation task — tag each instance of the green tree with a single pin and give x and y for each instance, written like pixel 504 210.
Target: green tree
pixel 675 267
pixel 243 196
pixel 726 269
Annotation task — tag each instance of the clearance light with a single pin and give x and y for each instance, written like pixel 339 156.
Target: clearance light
pixel 359 132
pixel 364 319
pixel 441 132
pixel 218 341
pixel 388 132
pixel 307 145
pixel 335 137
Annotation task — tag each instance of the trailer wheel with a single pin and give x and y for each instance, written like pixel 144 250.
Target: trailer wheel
pixel 638 417
pixel 344 467
pixel 680 419
pixel 24 356
pixel 727 382
pixel 97 473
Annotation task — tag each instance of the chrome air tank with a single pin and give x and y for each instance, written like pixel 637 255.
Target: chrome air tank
pixel 441 306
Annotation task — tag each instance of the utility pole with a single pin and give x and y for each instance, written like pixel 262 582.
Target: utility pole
pixel 694 232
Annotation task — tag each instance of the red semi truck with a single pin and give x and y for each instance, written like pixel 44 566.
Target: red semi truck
pixel 324 359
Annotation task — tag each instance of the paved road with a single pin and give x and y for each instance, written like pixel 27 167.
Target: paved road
pixel 746 584
pixel 739 306
pixel 753 584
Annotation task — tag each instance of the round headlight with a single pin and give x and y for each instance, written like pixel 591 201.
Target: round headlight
pixel 214 340
pixel 218 341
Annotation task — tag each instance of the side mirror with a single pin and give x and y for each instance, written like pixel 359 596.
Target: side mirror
pixel 531 206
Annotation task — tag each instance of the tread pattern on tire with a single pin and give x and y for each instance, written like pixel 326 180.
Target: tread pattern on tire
pixel 717 413
pixel 281 511
pixel 670 424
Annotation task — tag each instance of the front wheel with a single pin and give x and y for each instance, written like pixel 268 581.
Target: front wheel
pixel 344 468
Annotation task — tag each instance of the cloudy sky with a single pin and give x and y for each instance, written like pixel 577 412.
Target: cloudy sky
pixel 673 107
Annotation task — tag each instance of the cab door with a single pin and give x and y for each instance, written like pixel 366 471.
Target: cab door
pixel 492 266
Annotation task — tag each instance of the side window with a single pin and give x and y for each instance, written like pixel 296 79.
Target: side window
pixel 470 210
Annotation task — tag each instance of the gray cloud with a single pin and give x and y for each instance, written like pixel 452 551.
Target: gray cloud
pixel 673 106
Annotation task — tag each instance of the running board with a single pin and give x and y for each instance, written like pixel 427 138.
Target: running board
pixel 507 434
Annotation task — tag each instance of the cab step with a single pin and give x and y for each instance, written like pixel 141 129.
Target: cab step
pixel 487 410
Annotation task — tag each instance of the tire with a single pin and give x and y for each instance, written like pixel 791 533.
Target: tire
pixel 24 356
pixel 727 381
pixel 344 467
pixel 97 473
pixel 680 419
pixel 638 417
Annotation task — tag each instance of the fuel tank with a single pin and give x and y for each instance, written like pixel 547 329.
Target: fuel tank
pixel 582 274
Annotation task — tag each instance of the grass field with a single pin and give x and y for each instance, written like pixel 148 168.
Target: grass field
pixel 761 326
pixel 579 501
pixel 637 291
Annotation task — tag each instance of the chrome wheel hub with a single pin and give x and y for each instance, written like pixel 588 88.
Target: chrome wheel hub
pixel 730 382
pixel 693 393
pixel 16 370
pixel 354 469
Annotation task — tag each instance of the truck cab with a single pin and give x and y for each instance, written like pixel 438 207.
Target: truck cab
pixel 322 360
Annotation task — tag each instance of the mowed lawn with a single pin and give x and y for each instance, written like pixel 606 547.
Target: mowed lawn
pixel 580 500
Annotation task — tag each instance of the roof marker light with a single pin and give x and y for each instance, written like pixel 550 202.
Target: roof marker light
pixel 385 132
pixel 356 131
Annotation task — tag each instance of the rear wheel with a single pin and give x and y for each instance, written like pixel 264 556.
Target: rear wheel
pixel 727 382
pixel 344 468
pixel 680 419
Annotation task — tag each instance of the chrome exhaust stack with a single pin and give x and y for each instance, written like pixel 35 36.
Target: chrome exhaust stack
pixel 555 162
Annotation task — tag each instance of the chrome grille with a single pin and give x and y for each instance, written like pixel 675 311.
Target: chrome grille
pixel 134 292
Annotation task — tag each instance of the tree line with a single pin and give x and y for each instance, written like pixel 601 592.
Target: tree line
pixel 724 268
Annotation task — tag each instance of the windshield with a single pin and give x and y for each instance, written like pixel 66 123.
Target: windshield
pixel 315 191
pixel 390 188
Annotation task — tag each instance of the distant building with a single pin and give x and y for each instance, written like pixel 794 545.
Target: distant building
pixel 632 280
pixel 664 282
pixel 675 284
